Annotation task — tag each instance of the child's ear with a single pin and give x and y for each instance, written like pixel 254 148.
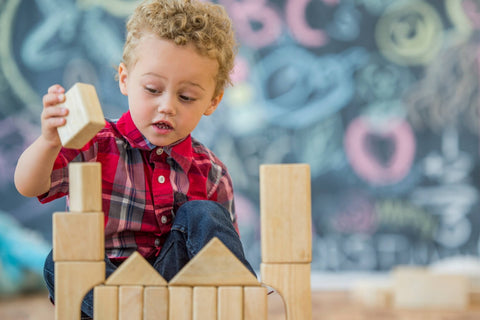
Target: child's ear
pixel 122 78
pixel 214 104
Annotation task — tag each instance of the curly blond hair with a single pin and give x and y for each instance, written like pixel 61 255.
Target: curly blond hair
pixel 205 25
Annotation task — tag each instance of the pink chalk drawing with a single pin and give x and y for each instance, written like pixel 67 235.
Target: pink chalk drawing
pixel 366 165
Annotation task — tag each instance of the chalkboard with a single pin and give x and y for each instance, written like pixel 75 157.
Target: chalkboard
pixel 380 97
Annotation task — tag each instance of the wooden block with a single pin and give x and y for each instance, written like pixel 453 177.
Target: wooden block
pixel 230 303
pixel 105 302
pixel 73 280
pixel 214 265
pixel 78 236
pixel 255 303
pixel 180 303
pixel 155 303
pixel 372 293
pixel 285 205
pixel 130 303
pixel 204 303
pixel 136 271
pixel 85 117
pixel 85 186
pixel 292 281
pixel 416 288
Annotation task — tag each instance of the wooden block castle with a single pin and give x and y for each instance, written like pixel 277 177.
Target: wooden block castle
pixel 213 285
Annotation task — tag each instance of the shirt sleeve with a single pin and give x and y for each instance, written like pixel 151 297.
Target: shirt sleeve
pixel 59 177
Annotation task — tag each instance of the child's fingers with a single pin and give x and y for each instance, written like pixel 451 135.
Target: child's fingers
pixel 55 122
pixel 56 88
pixel 51 99
pixel 55 112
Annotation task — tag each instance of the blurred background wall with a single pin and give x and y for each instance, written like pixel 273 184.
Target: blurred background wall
pixel 380 97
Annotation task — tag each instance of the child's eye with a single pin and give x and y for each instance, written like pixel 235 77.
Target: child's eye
pixel 152 90
pixel 186 98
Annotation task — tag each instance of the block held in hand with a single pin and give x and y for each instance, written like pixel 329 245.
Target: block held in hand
pixel 85 117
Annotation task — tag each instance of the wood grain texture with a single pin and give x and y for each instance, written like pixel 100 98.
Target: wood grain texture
pixel 292 281
pixel 72 282
pixel 85 116
pixel 85 186
pixel 214 265
pixel 105 302
pixel 78 236
pixel 155 303
pixel 285 205
pixel 136 271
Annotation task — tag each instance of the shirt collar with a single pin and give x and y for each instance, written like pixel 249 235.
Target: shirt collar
pixel 181 151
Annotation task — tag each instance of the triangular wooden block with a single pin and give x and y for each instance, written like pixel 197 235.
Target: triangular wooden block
pixel 136 271
pixel 214 265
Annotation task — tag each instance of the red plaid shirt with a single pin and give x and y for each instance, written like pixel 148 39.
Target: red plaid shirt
pixel 143 185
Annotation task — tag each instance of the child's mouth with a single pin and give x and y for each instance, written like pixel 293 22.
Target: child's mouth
pixel 163 125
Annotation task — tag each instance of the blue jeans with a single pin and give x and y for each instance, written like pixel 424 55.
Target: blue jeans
pixel 195 224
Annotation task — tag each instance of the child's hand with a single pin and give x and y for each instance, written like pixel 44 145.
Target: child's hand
pixel 53 114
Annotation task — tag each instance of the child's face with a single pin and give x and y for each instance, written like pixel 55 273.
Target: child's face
pixel 169 88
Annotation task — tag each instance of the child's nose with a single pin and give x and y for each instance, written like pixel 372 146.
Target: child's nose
pixel 166 105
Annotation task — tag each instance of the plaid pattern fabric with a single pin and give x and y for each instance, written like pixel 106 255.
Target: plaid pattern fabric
pixel 143 185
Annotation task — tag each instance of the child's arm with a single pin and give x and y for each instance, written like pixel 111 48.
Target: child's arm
pixel 35 165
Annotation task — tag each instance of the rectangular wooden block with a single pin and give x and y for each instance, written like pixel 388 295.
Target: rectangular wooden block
pixel 292 281
pixel 417 288
pixel 105 302
pixel 85 186
pixel 230 303
pixel 155 303
pixel 78 236
pixel 255 303
pixel 85 117
pixel 180 303
pixel 204 303
pixel 285 205
pixel 130 302
pixel 72 282
pixel 372 293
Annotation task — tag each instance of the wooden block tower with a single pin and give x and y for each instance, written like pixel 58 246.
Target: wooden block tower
pixel 78 241
pixel 78 235
pixel 286 235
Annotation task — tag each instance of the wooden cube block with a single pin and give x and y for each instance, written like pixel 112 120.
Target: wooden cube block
pixel 85 117
pixel 255 303
pixel 130 302
pixel 155 303
pixel 180 303
pixel 78 236
pixel 85 186
pixel 417 288
pixel 292 281
pixel 230 303
pixel 285 205
pixel 73 280
pixel 105 302
pixel 204 303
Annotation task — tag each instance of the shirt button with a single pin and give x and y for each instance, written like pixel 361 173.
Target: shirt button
pixel 157 242
pixel 161 179
pixel 164 219
pixel 159 151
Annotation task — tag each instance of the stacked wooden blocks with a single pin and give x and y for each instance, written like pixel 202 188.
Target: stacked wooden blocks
pixel 78 241
pixel 285 205
pixel 213 285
